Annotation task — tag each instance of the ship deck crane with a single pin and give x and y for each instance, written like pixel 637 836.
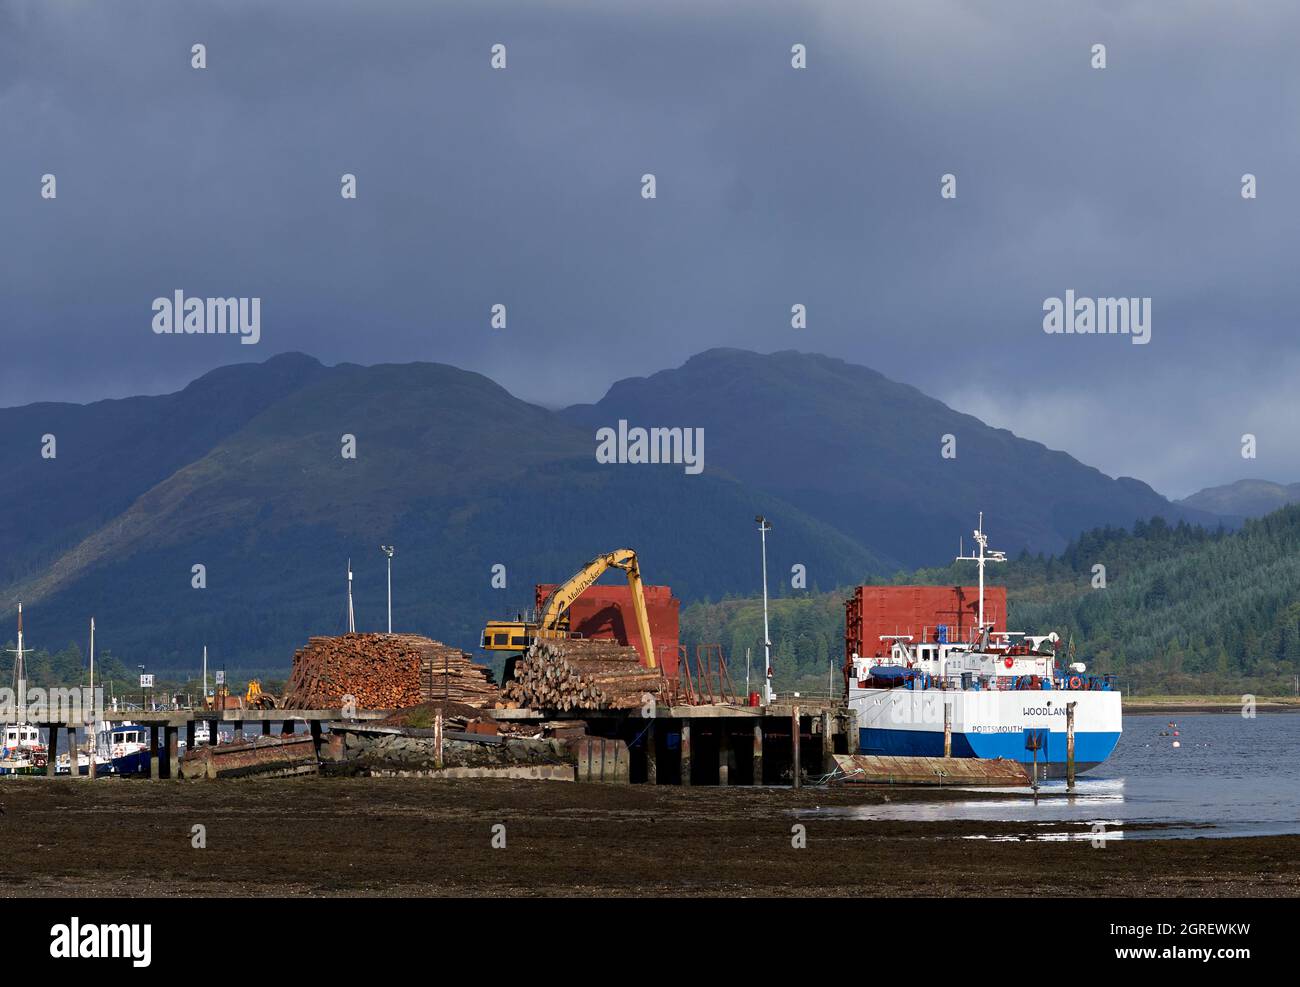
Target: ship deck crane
pixel 552 621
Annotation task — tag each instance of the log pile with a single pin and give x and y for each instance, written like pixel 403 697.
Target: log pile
pixel 581 675
pixel 385 671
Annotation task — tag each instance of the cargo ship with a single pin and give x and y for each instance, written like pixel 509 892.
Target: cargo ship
pixel 945 676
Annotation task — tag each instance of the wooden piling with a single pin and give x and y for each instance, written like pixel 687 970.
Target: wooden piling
pixel 651 755
pixel 794 744
pixel 437 739
pixel 51 748
pixel 828 744
pixel 758 751
pixel 155 767
pixel 73 768
pixel 173 736
pixel 686 752
pixel 1069 745
pixel 947 729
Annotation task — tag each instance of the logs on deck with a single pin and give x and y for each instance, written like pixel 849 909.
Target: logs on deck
pixel 385 671
pixel 581 674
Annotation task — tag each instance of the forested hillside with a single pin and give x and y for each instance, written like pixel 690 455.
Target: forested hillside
pixel 1182 609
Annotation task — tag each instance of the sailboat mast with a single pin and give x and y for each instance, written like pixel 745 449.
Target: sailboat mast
pixel 92 721
pixel 20 672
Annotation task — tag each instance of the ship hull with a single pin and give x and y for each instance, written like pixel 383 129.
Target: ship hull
pixel 988 724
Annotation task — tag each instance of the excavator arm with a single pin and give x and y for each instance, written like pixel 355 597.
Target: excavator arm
pixel 506 635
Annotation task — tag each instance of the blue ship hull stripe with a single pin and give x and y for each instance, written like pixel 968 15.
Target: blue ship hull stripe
pixel 1089 748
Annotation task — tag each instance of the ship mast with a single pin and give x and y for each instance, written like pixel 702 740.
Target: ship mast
pixel 20 672
pixel 985 555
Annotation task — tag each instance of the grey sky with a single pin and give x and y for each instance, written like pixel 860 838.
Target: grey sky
pixel 775 186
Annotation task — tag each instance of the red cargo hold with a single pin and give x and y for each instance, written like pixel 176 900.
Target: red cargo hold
pixel 919 611
pixel 606 613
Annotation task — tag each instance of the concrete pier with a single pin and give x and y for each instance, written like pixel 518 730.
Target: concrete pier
pixel 738 760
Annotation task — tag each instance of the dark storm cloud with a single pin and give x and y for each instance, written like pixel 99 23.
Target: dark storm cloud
pixel 775 187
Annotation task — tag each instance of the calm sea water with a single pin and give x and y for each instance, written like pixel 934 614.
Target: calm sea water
pixel 1238 776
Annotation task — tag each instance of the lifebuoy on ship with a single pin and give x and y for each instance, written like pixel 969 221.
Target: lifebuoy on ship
pixel 1075 682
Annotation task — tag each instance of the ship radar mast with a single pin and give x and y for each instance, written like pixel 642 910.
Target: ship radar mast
pixel 985 555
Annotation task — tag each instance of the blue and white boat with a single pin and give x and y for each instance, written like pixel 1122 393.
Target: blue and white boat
pixel 996 695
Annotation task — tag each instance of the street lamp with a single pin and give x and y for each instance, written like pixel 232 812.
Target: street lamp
pixel 388 550
pixel 764 526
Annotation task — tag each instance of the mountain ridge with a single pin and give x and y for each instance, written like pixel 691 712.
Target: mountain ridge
pixel 463 476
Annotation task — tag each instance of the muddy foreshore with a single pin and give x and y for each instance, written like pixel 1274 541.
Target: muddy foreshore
pixel 410 837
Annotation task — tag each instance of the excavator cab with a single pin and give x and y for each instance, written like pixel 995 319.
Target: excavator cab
pixel 519 634
pixel 507 635
pixel 553 619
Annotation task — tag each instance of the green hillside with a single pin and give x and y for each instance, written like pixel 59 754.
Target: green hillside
pixel 1184 609
pixel 456 472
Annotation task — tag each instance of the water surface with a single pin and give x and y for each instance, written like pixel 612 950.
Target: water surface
pixel 1229 776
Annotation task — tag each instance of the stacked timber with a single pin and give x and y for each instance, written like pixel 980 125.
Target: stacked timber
pixel 385 671
pixel 581 675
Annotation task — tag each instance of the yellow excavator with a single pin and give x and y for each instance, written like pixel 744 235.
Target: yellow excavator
pixel 553 620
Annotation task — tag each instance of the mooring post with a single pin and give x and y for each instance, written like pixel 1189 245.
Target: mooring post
pixel 828 744
pixel 651 760
pixel 947 729
pixel 686 752
pixel 92 738
pixel 758 750
pixel 724 773
pixel 1069 745
pixel 51 748
pixel 173 752
pixel 794 744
